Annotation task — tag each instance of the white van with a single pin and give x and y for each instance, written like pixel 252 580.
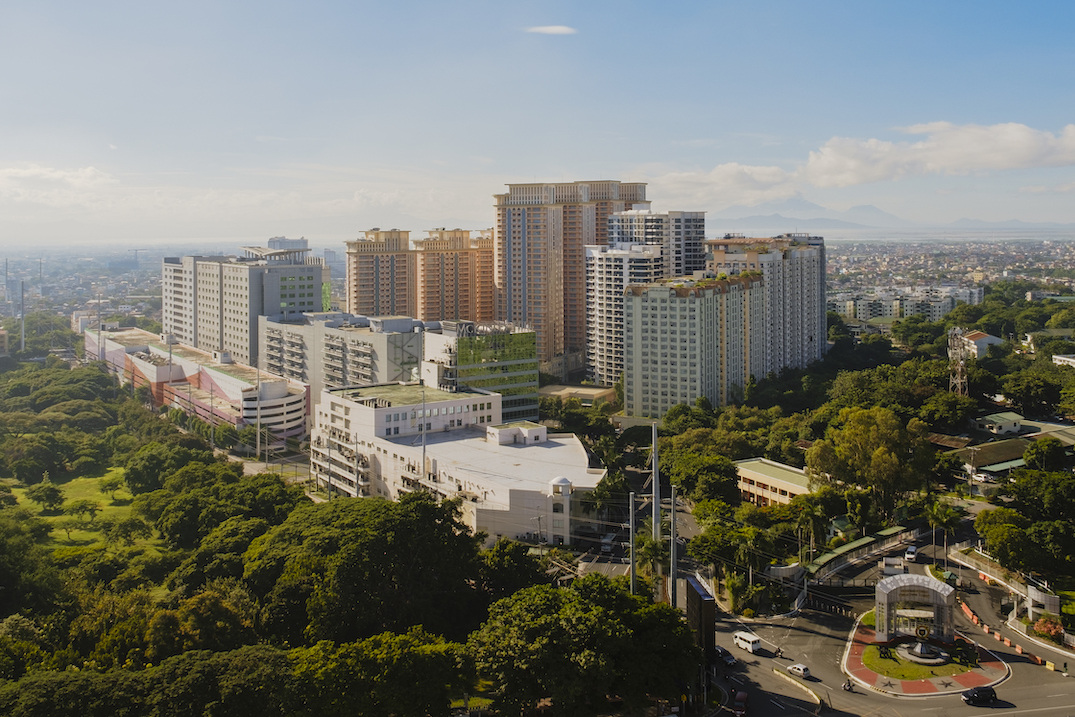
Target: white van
pixel 747 641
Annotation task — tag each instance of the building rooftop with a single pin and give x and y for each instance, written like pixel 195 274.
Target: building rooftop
pixel 132 338
pixel 502 468
pixel 776 471
pixel 1002 417
pixel 403 394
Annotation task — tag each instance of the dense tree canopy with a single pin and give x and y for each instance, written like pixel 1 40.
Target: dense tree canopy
pixel 578 645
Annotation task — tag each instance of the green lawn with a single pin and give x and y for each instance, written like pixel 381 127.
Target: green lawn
pixel 85 488
pixel 900 669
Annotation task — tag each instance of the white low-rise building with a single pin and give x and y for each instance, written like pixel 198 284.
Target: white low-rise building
pixel 514 480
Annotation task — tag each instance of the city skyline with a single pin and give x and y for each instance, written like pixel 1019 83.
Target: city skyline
pixel 142 123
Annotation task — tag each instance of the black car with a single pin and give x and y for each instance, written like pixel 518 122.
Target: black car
pixel 724 656
pixel 980 696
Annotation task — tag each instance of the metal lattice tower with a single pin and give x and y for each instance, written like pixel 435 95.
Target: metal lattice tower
pixel 957 362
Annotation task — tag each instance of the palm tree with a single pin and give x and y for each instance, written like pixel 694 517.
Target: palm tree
pixel 650 553
pixel 942 515
pixel 813 520
pixel 753 548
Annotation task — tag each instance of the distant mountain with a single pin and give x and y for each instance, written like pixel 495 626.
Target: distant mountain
pixel 794 207
pixel 777 224
pixel 804 214
pixel 871 215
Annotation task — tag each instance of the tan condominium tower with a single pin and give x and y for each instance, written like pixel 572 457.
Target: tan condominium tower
pixel 446 276
pixel 541 231
pixel 380 274
pixel 454 276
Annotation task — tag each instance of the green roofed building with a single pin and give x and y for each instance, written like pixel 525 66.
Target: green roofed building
pixel 764 482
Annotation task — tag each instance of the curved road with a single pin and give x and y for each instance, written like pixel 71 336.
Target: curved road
pixel 818 640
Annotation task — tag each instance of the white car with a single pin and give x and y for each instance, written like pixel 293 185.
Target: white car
pixel 911 554
pixel 799 670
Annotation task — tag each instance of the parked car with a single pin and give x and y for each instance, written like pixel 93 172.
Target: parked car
pixel 739 707
pixel 911 554
pixel 799 670
pixel 724 656
pixel 980 696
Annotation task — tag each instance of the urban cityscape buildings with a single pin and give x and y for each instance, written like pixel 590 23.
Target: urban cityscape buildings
pixel 209 386
pixel 540 234
pixel 793 269
pixel 680 234
pixel 609 271
pixel 213 303
pixel 684 339
pixel 333 349
pixel 514 479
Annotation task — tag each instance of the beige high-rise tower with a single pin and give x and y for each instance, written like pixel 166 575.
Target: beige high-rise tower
pixel 541 232
pixel 380 274
pixel 454 275
pixel 446 276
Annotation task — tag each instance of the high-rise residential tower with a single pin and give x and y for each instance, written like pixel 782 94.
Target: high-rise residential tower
pixel 684 339
pixel 793 269
pixel 541 232
pixel 609 270
pixel 380 274
pixel 681 234
pixel 213 303
pixel 446 276
pixel 454 275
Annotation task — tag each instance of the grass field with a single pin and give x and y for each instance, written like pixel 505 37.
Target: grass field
pixel 84 488
pixel 900 669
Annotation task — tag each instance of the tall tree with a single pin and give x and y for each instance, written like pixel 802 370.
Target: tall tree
pixel 872 448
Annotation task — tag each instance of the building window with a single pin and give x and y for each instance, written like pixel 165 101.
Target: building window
pixel 557 507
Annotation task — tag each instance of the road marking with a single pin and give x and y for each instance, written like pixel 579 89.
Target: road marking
pixel 778 704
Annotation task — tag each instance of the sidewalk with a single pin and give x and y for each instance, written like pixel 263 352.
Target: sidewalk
pixel 990 670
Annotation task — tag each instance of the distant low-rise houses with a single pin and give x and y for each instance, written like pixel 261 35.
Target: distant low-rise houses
pixel 933 303
pixel 977 343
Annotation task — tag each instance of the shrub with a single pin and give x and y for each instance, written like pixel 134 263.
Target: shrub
pixel 1049 627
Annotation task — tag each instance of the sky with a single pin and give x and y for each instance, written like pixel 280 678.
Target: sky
pixel 145 122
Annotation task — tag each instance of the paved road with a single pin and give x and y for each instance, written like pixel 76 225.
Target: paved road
pixel 819 639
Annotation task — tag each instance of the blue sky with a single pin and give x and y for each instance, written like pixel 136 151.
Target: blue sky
pixel 149 121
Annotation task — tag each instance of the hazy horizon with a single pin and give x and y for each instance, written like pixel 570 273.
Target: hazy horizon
pixel 132 122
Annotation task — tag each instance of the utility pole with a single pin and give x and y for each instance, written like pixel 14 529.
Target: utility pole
pixel 672 548
pixel 634 562
pixel 656 488
pixel 212 416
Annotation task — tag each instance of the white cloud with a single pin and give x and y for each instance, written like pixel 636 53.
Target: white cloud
pixel 725 185
pixel 946 149
pixel 552 30
pixel 1055 189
